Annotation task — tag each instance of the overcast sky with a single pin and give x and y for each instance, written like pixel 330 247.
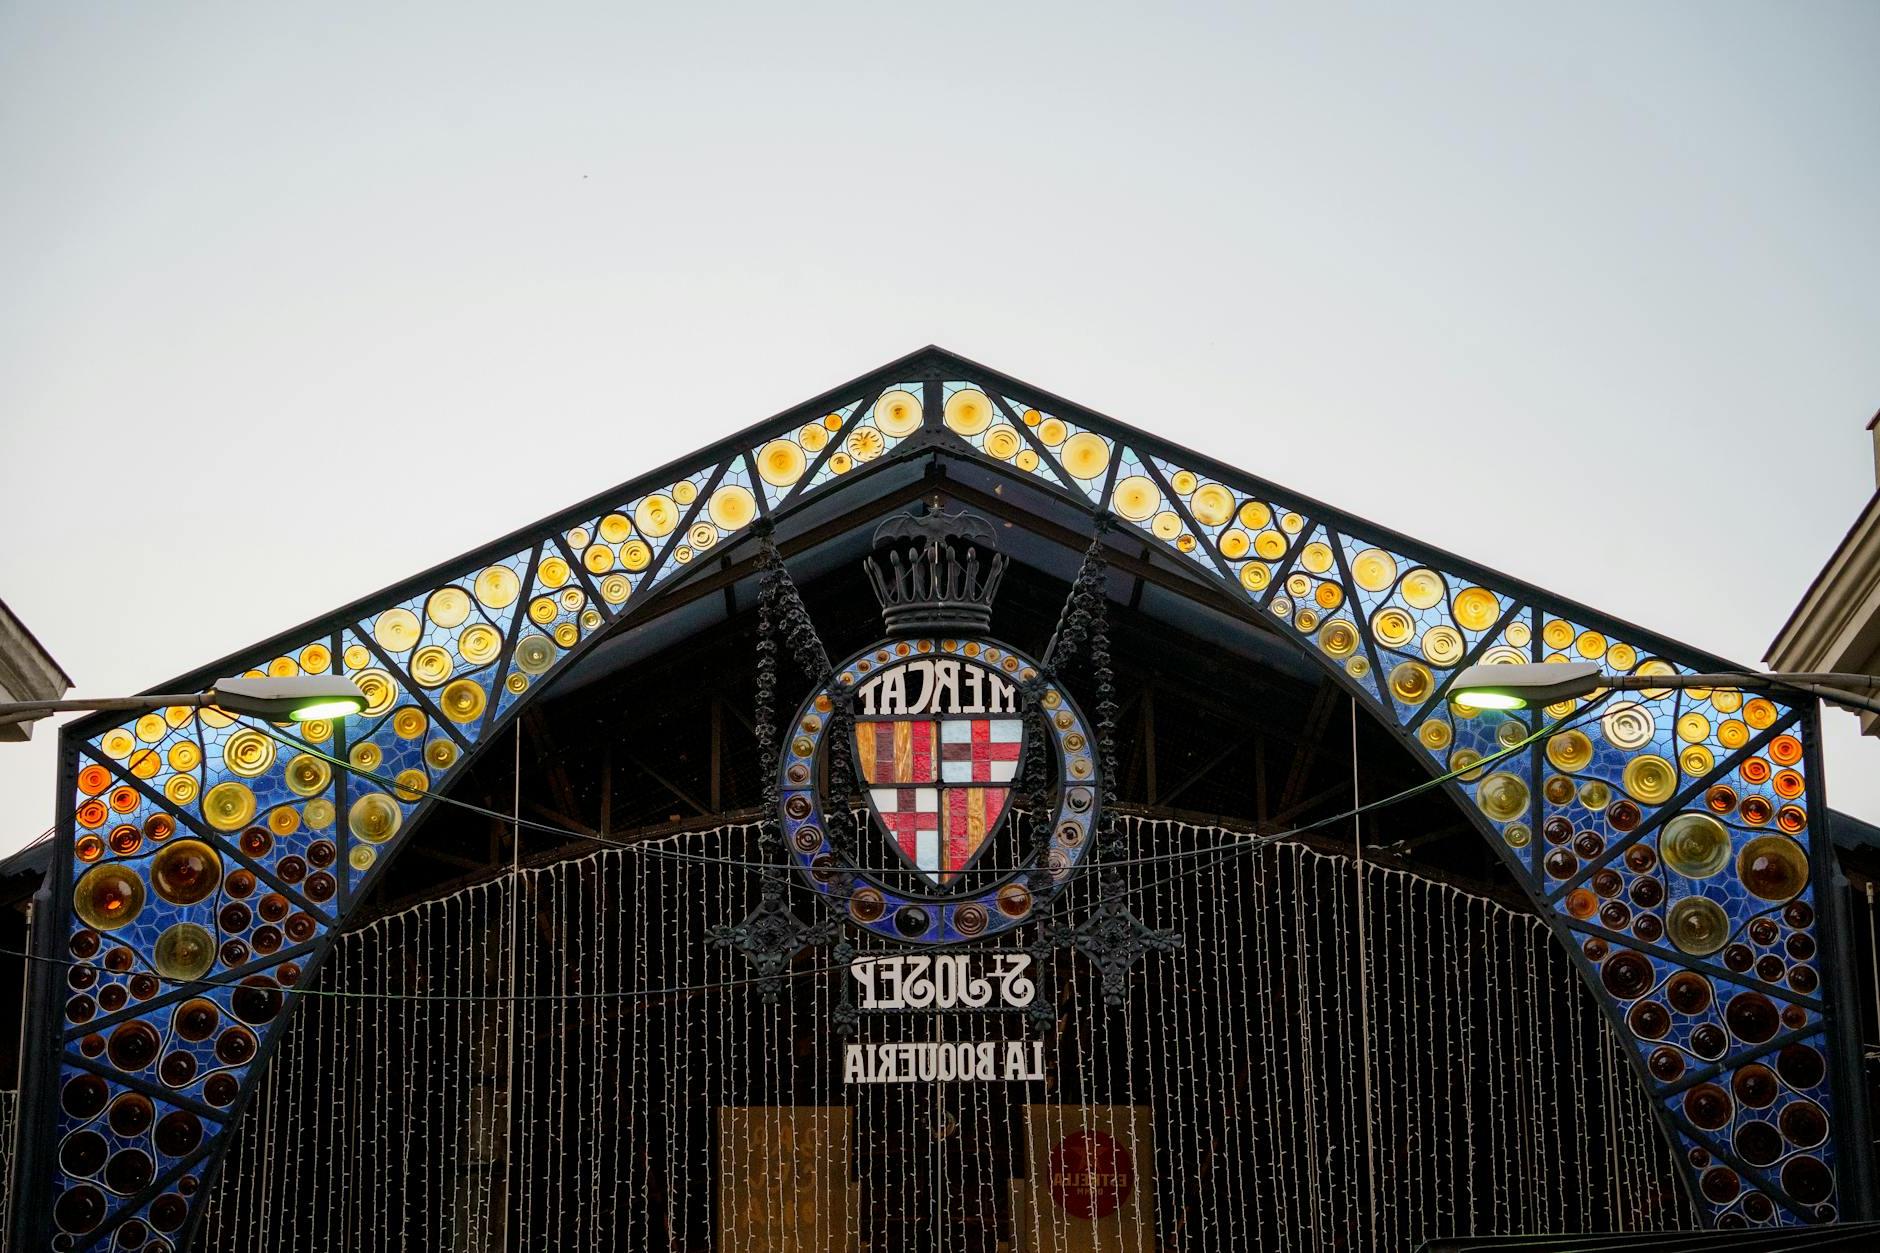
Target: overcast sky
pixel 1589 293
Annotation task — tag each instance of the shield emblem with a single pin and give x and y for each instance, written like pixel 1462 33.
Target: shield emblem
pixel 939 785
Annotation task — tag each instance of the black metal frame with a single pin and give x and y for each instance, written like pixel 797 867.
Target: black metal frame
pixel 931 367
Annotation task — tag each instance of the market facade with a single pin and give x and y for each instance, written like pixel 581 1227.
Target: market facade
pixel 941 816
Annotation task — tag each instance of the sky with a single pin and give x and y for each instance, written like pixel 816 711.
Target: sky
pixel 298 300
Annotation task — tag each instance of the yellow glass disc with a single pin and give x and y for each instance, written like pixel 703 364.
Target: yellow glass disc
pixel 362 857
pixel 151 728
pixel 1759 713
pixel 146 762
pixel 1423 589
pixel 283 667
pixel 1570 751
pixel 1003 441
pixel 1732 733
pixel 968 412
pixel 448 606
pixel 1557 634
pixel 109 896
pixel 1435 735
pixel 657 515
pixel 1392 626
pixel 1442 645
pixel 781 462
pixel 1650 779
pixel 356 657
pixel 409 723
pixel 248 753
pixel 1052 432
pixel 1656 665
pixel 1329 595
pixel 840 463
pixel 1697 926
pixel 1254 576
pixel 440 754
pixel 283 820
pixel 572 599
pixel 1213 504
pixel 684 493
pixel 315 658
pixel 307 775
pixel 1696 760
pixel 1136 498
pixel 865 443
pixel 598 558
pixel 1502 796
pixel 375 818
pixel 1628 725
pixel 319 813
pixel 1298 585
pixel 378 689
pixel 567 634
pixel 1166 525
pixel 479 644
pixel 1027 460
pixel 180 788
pixel 542 610
pixel 1270 545
pixel 1590 644
pixel 498 587
pixel 1373 569
pixel 732 506
pixel 534 654
pixel 1695 845
pixel 702 535
pixel 636 554
pixel 614 527
pixel 409 785
pixel 1254 514
pixel 316 730
pixel 813 437
pixel 431 665
pixel 1726 700
pixel 1085 455
pixel 1476 608
pixel 396 630
pixel 1307 620
pixel 1339 639
pixel 615 588
pixel 517 682
pixel 1183 481
pixel 462 701
pixel 1694 728
pixel 553 572
pixel 1411 682
pixel 1291 523
pixel 1316 557
pixel 365 755
pixel 184 755
pixel 1235 544
pixel 897 413
pixel 117 743
pixel 1518 634
pixel 228 806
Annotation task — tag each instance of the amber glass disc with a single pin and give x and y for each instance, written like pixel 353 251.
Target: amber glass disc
pixel 185 871
pixel 228 806
pixel 1773 867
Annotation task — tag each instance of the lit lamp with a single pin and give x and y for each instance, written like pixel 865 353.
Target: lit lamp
pixel 296 698
pixel 1546 683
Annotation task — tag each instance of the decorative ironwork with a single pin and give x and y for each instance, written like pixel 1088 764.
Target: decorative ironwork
pixel 1676 833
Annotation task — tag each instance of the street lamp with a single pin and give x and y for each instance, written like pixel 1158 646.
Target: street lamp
pixel 296 698
pixel 1518 686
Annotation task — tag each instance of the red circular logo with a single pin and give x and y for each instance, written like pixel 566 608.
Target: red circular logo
pixel 1091 1174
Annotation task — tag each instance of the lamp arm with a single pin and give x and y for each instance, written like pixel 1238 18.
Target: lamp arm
pixel 27 710
pixel 1831 686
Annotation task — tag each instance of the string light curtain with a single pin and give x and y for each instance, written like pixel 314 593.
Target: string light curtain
pixel 622 1084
